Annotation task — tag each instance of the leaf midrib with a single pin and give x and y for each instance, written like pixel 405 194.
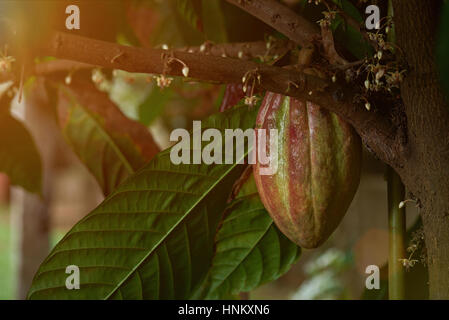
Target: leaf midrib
pixel 212 290
pixel 206 193
pixel 108 138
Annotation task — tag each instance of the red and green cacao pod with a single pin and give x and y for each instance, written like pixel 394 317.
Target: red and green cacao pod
pixel 319 162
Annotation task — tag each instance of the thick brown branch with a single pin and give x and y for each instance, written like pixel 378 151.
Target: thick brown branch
pixel 144 60
pixel 281 18
pixel 375 130
pixel 243 50
pixel 240 50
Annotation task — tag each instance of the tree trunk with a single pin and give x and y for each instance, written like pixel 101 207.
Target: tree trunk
pixel 425 171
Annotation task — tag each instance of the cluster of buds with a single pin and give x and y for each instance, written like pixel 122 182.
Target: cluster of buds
pixel 395 78
pixel 382 77
pixel 329 16
pixel 249 83
pixel 379 39
pixel 251 101
pixel 408 263
pixel 416 241
pixel 163 81
pixel 97 76
pixel 6 62
pixel 317 2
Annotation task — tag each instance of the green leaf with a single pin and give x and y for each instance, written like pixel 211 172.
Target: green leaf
pixel 19 157
pixel 111 146
pixel 250 249
pixel 173 28
pixel 190 10
pixel 347 34
pixel 152 238
pixel 349 9
pixel 154 104
pixel 214 21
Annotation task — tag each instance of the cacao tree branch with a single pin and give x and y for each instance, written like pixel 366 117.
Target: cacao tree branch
pixel 281 18
pixel 240 50
pixel 375 129
pixel 243 50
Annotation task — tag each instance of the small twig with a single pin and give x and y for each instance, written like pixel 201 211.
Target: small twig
pixel 22 75
pixel 118 55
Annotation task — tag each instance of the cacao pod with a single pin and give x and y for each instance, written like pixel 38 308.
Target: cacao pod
pixel 318 172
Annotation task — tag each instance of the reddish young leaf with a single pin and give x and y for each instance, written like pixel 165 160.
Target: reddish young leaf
pixel 233 94
pixel 111 145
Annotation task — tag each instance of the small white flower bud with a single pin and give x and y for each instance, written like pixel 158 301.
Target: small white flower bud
pixel 68 79
pixel 367 84
pixel 185 71
pixel 379 54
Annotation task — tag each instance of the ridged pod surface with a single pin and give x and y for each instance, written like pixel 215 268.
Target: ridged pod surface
pixel 319 163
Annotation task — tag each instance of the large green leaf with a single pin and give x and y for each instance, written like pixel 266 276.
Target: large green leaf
pixel 250 249
pixel 19 157
pixel 111 145
pixel 152 238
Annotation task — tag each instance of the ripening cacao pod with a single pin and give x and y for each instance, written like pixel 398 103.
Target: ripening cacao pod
pixel 318 172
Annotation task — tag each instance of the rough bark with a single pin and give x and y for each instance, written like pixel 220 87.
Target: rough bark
pixel 426 168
